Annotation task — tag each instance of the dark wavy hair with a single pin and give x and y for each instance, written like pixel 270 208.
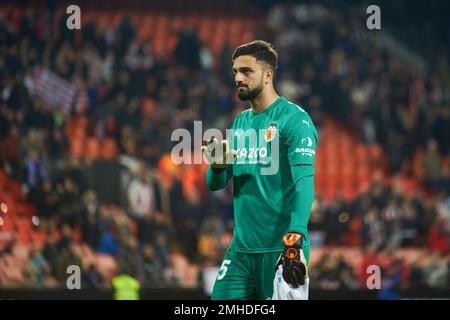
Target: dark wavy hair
pixel 260 50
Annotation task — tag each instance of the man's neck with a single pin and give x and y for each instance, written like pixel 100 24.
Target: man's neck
pixel 263 101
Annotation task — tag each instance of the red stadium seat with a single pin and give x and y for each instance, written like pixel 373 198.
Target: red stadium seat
pixel 115 19
pixel 147 108
pixel 77 132
pixel 417 166
pixel 76 147
pixel 205 29
pixel 92 149
pixel 410 185
pixel 108 149
pixel 7 223
pixel 38 238
pixel 77 235
pixel 23 238
pixel 16 189
pixel 11 205
pixel 177 23
pixel 23 224
pixel 363 172
pixel 3 177
pixel 145 29
pixel 27 210
pixel 171 42
pixel 136 18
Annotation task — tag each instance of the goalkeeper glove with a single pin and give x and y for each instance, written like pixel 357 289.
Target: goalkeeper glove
pixel 219 154
pixel 295 270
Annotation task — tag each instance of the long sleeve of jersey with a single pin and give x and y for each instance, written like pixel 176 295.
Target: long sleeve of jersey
pixel 303 177
pixel 217 179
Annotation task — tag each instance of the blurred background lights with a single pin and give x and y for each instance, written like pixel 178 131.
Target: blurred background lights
pixel 35 220
pixel 3 207
pixel 343 217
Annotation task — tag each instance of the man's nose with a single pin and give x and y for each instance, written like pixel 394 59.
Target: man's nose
pixel 238 78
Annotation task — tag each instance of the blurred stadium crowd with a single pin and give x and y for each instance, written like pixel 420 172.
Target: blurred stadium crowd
pixel 73 99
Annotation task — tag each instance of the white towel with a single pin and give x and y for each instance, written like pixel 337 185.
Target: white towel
pixel 283 291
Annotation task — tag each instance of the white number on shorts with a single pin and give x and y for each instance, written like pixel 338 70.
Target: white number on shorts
pixel 223 269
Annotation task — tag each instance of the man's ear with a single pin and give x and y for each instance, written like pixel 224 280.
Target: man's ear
pixel 268 76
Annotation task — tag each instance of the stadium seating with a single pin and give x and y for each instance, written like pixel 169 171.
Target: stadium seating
pixel 344 164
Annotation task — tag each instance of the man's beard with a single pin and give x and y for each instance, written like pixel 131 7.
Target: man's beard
pixel 248 94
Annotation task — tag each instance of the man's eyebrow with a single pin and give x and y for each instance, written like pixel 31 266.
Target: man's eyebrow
pixel 243 69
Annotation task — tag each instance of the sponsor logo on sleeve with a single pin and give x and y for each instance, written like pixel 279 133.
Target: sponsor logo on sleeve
pixel 306 150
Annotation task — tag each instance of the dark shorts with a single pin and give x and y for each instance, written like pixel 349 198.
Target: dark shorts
pixel 247 276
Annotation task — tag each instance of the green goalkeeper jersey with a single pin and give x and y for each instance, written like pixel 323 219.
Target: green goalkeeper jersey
pixel 271 146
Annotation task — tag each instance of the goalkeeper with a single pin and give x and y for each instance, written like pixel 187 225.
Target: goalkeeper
pixel 271 211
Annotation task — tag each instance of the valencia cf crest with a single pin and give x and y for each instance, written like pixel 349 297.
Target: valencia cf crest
pixel 271 131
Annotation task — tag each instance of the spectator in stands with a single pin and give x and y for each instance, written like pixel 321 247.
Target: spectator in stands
pixel 432 163
pixel 139 56
pixel 66 238
pixel 128 139
pixel 335 229
pixel 130 256
pixel 391 217
pixel 58 143
pixel 35 170
pixel 146 228
pixel 90 216
pixel 443 208
pixel 214 228
pixel 435 272
pixel 106 221
pixel 163 224
pixel 441 127
pixel 9 151
pixel 187 51
pixel 409 224
pixel 390 282
pixel 370 258
pixel 439 236
pixel 75 171
pixel 50 253
pixel 140 194
pixel 206 60
pixel 172 275
pixel 125 34
pixel 162 249
pixel 448 273
pixel 416 277
pixel 36 268
pixel 91 278
pixel 378 193
pixel 122 226
pixel 328 274
pixel 346 275
pixel 373 229
pixel 67 257
pixel 69 207
pixel 444 181
pixel 125 285
pixel 152 268
pixel 47 200
pixel 108 242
